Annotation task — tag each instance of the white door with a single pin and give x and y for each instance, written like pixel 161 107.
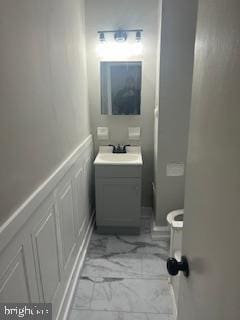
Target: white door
pixel 211 238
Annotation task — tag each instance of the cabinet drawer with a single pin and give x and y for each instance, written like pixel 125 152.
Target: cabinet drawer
pixel 111 171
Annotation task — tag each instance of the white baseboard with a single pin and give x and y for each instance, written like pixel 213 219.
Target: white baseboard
pixel 175 313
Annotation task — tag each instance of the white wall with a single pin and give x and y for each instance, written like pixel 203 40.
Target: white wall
pixel 176 64
pixel 112 14
pixel 43 92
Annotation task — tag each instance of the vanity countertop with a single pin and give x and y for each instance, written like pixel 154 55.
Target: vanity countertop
pixel 133 156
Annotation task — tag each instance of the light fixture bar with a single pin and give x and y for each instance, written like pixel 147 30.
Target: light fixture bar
pixel 120 35
pixel 114 31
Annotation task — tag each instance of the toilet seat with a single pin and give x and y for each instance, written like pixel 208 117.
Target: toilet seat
pixel 171 219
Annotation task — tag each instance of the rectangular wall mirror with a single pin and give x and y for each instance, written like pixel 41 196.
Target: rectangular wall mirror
pixel 121 88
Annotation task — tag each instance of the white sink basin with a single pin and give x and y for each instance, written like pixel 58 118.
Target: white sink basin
pixel 132 157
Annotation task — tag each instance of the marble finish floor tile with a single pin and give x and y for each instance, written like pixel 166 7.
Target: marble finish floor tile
pixel 139 266
pixel 137 244
pixel 126 256
pixel 124 278
pixel 98 245
pixel 91 315
pixel 115 265
pixel 83 294
pixel 133 295
pixel 153 267
pixel 109 315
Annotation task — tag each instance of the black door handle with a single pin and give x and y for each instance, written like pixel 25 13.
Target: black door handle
pixel 174 266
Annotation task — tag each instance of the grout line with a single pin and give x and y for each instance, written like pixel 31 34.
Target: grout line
pixel 163 278
pixel 122 311
pixel 160 277
pixel 91 299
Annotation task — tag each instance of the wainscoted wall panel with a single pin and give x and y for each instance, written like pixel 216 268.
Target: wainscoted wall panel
pixel 88 179
pixel 65 204
pixel 38 261
pixel 46 256
pixel 78 199
pixel 15 277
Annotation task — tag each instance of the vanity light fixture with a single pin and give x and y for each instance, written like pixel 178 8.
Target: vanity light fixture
pixel 102 37
pixel 122 45
pixel 138 36
pixel 120 35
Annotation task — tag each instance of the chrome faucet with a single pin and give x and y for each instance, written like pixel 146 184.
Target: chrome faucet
pixel 119 148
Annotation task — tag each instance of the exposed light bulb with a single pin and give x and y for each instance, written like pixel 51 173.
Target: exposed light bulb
pixel 114 50
pixel 101 37
pixel 138 35
pixel 137 48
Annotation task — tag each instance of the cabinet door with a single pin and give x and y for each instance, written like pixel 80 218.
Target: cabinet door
pixel 118 202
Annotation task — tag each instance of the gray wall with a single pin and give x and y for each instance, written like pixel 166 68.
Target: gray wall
pixel 43 92
pixel 112 14
pixel 211 227
pixel 176 63
pixel 156 110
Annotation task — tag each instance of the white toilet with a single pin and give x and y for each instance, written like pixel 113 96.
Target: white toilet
pixel 175 221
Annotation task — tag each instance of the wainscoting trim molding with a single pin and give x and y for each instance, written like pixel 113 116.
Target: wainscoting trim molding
pixel 73 279
pixel 49 236
pixel 23 213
